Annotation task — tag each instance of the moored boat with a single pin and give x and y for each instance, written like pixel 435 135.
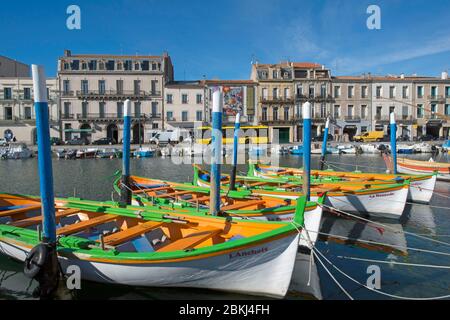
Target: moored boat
pixel 409 166
pixel 117 246
pixel 421 185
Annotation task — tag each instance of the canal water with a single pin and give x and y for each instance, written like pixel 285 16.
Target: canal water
pixel 92 179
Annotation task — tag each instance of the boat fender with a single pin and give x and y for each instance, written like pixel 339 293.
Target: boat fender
pixel 35 260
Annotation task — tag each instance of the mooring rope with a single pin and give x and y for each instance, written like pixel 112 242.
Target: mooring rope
pixel 373 289
pixel 395 262
pixel 385 226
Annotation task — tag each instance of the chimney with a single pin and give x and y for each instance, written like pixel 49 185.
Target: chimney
pixel 323 67
pixel 402 76
pixel 67 53
pixel 444 75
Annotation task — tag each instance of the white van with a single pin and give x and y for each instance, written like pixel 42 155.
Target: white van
pixel 170 136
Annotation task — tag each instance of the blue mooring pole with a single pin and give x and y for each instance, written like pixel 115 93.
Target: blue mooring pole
pixel 393 130
pixel 237 126
pixel 306 109
pixel 324 144
pixel 216 158
pixel 125 192
pixel 44 255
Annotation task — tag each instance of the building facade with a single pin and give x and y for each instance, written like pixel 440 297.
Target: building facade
pixel 94 88
pixel 17 114
pixel 10 68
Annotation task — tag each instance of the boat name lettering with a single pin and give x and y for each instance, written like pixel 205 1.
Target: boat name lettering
pixel 248 253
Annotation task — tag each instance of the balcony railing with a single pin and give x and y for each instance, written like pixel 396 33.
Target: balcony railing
pixel 113 116
pixel 314 98
pixel 117 94
pixel 437 98
pixel 277 99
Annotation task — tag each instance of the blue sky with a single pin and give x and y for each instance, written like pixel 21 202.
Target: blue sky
pixel 218 39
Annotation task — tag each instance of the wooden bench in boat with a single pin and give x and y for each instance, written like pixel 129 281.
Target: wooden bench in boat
pixel 76 227
pixel 130 233
pixel 174 194
pixel 192 240
pixel 243 204
pixel 38 219
pixel 255 184
pixel 19 210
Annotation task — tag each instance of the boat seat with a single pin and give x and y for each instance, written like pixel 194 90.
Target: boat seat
pixel 19 209
pixel 38 219
pixel 174 194
pixel 74 228
pixel 243 204
pixel 151 189
pixel 255 184
pixel 130 233
pixel 192 240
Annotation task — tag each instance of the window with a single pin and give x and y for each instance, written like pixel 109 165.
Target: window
pixel 264 93
pixel 84 110
pixel 154 108
pixel 299 90
pixel 420 111
pixel 405 112
pixel 350 111
pixel 447 92
pixel 391 109
pixel 119 65
pixel 363 111
pixel 323 110
pixel 92 65
pixel 433 110
pixel 84 66
pixel 110 65
pixel 27 93
pixel 184 98
pixel 378 112
pixel 153 66
pixel 154 85
pixel 351 90
pixel 8 115
pixel 286 113
pixel 434 91
pixel 405 92
pixel 84 86
pixel 337 92
pixel 137 87
pixel 420 92
pixel 155 125
pixel 287 93
pixel 184 116
pixel 275 113
pixel 391 92
pixel 169 116
pixel 198 115
pixel 169 98
pixel 447 110
pixel 101 86
pixel 66 66
pixel 136 66
pixel 127 65
pixel 119 86
pixel 323 91
pixel 75 65
pixel 66 114
pixel 137 109
pixel 27 111
pixel 145 66
pixel 264 114
pixel 66 87
pixel 199 98
pixel 337 111
pixel 275 93
pixel 379 91
pixel 101 109
pixel 311 91
pixel 119 109
pixel 7 93
pixel 275 74
pixel 364 92
pixel 101 65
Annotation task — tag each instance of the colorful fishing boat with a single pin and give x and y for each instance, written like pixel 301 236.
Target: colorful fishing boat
pixel 141 247
pixel 241 203
pixel 409 166
pixel 346 197
pixel 421 185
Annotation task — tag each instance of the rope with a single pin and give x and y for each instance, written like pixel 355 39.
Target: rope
pixel 355 165
pixel 373 289
pixel 394 262
pixel 385 226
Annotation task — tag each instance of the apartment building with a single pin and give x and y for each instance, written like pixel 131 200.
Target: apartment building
pixel 184 103
pixel 17 113
pixel 10 68
pixel 94 88
pixel 351 111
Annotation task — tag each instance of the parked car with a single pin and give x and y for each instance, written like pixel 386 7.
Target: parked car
pixel 78 141
pixel 426 137
pixel 55 141
pixel 320 138
pixel 3 142
pixel 105 140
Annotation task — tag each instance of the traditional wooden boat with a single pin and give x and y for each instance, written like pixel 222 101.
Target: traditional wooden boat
pixel 241 204
pixel 141 247
pixel 346 197
pixel 420 190
pixel 410 166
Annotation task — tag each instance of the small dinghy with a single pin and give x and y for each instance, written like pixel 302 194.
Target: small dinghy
pixel 241 204
pixel 139 247
pixel 420 190
pixel 143 152
pixel 405 149
pixel 88 153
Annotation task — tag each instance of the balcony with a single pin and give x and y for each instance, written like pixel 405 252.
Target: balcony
pixel 313 98
pixel 403 119
pixel 67 94
pixel 276 99
pixel 436 98
pixel 117 95
pixel 108 117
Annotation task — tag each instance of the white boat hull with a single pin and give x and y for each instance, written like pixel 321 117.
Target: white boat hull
pixel 422 190
pixel 263 269
pixel 440 176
